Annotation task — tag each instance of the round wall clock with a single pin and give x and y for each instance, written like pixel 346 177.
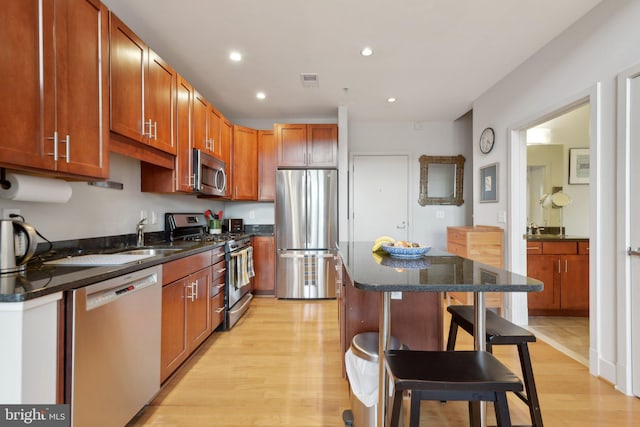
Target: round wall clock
pixel 487 138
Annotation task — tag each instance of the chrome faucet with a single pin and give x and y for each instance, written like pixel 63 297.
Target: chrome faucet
pixel 140 231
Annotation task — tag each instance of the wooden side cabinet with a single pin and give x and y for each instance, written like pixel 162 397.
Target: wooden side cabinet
pixel 480 243
pixel 264 262
pixel 563 267
pixel 306 145
pixel 244 180
pixel 266 166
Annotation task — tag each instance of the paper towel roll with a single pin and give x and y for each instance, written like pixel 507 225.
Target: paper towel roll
pixel 26 188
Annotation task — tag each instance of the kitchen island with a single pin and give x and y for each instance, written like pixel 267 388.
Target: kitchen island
pixel 433 273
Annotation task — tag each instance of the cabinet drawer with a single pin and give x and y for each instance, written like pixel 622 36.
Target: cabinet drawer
pixel 217 310
pixel 583 248
pixel 218 270
pixel 558 248
pixel 182 267
pixel 534 248
pixel 217 255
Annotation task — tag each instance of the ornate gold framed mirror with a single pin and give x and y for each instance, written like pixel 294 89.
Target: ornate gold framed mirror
pixel 441 180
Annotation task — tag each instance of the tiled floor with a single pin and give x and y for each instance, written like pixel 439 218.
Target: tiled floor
pixel 570 335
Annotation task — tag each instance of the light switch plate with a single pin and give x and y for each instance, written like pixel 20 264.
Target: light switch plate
pixel 502 217
pixel 396 295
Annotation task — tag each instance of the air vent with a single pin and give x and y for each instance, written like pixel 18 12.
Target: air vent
pixel 309 79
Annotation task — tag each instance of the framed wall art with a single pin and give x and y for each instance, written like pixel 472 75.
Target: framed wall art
pixel 579 165
pixel 489 183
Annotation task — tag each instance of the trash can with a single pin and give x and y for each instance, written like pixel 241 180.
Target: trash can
pixel 361 362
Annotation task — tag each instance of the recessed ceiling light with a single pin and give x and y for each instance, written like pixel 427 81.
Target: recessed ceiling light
pixel 366 51
pixel 391 100
pixel 235 56
pixel 261 95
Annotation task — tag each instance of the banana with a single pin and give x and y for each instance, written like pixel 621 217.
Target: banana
pixel 377 245
pixel 377 257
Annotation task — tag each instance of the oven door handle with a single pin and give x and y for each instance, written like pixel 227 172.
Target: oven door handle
pixel 249 298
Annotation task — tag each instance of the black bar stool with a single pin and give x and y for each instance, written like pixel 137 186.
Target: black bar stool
pixel 450 375
pixel 501 332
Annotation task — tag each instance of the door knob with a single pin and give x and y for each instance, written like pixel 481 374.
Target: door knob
pixel 401 226
pixel 631 251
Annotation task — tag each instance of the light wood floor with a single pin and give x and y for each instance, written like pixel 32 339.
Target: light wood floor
pixel 280 366
pixel 570 335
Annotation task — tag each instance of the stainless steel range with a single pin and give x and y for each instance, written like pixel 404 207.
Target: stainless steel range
pixel 238 257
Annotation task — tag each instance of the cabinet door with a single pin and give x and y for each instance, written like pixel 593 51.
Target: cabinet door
pixel 213 132
pixel 184 165
pixel 226 132
pixel 322 145
pixel 174 348
pixel 266 166
pixel 81 87
pixel 128 55
pixel 197 295
pixel 291 141
pixel 575 283
pixel 245 163
pixel 264 264
pixel 160 104
pixel 546 269
pixel 200 118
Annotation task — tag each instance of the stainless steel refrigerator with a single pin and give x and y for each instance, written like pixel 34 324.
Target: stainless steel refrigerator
pixel 306 233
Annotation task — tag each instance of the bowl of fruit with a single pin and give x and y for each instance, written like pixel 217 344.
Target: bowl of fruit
pixel 404 249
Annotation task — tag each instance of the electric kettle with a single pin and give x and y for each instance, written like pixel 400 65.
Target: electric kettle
pixel 18 242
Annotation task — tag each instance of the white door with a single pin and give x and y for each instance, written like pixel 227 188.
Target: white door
pixel 380 197
pixel 634 204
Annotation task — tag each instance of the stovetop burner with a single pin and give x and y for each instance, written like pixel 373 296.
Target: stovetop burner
pixel 193 227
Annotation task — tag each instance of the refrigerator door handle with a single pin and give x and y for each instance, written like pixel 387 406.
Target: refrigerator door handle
pixel 291 255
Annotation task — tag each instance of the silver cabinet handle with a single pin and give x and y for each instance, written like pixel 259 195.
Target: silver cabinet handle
pixel 220 285
pixel 221 270
pixel 144 128
pixel 566 265
pixel 155 130
pixel 219 310
pixel 55 146
pixel 634 252
pixel 67 141
pixel 559 266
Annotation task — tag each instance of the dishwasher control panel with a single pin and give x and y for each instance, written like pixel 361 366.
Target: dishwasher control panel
pixel 119 287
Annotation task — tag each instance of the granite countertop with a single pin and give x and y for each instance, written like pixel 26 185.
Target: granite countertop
pixel 555 237
pixel 437 271
pixel 41 279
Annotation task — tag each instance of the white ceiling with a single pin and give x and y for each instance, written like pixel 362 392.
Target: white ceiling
pixel 435 56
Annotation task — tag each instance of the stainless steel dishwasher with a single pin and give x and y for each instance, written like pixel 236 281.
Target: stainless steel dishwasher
pixel 115 348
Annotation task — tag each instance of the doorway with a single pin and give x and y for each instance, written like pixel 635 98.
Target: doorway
pixel 380 185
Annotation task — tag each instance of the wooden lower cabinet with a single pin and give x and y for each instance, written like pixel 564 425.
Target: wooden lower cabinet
pixel 186 317
pixel 264 263
pixel 563 267
pixel 216 290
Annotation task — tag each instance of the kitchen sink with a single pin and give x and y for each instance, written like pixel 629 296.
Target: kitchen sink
pixel 150 251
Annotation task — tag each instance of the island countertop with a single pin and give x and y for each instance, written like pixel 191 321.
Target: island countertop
pixel 436 271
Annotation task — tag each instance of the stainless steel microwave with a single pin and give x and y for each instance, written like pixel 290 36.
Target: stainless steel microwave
pixel 209 173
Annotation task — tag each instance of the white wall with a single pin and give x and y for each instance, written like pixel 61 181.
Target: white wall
pixel 96 212
pixel 589 53
pixel 416 139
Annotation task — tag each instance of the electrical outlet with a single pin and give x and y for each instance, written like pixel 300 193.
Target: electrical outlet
pixel 252 214
pixel 154 217
pixel 396 295
pixel 6 212
pixel 440 214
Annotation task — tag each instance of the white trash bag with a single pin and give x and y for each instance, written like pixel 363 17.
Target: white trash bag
pixel 363 377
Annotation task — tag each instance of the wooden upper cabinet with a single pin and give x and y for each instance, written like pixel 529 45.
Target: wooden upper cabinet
pixel 266 166
pixel 142 90
pixel 306 145
pixel 59 125
pixel 184 117
pixel 245 163
pixel 207 127
pixel 226 137
pixel 322 145
pixel 213 132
